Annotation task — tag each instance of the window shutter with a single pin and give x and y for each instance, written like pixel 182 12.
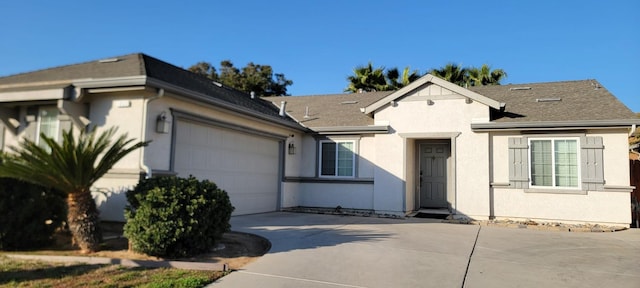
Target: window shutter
pixel 519 162
pixel 592 163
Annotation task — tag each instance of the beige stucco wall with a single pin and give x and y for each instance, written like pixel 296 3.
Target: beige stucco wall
pixel 412 119
pixel 609 206
pixel 346 195
pixel 306 192
pixel 124 111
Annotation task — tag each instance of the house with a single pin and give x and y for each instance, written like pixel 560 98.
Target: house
pixel 196 126
pixel 542 151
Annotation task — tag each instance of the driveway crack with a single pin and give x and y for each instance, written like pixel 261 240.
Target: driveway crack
pixel 471 255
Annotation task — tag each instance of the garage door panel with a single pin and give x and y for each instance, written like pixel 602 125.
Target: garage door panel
pixel 253 203
pixel 246 166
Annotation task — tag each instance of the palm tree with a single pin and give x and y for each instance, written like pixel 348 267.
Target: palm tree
pixel 485 76
pixel 395 81
pixel 453 73
pixel 366 78
pixel 71 167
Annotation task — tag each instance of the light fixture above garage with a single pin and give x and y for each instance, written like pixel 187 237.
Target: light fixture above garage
pixel 291 148
pixel 163 125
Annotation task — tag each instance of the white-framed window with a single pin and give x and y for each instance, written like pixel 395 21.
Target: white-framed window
pixel 337 158
pixel 554 163
pixel 48 124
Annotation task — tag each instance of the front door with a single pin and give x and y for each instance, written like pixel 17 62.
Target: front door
pixel 433 175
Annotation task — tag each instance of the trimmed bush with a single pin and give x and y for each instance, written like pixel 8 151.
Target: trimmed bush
pixel 30 214
pixel 176 217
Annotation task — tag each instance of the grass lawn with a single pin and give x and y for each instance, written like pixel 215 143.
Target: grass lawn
pixel 26 273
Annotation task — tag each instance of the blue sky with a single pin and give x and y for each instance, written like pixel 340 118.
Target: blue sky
pixel 318 43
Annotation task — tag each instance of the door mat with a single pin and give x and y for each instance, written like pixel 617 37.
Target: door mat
pixel 431 216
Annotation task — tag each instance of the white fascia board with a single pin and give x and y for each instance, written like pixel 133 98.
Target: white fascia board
pixel 435 80
pixel 371 129
pixel 105 83
pixel 110 82
pixel 33 95
pixel 552 125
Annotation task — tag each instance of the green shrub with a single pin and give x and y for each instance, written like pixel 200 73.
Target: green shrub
pixel 176 217
pixel 30 214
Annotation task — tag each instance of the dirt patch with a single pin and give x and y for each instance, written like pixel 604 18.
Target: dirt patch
pixel 236 249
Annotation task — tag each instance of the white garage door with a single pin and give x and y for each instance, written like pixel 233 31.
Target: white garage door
pixel 244 165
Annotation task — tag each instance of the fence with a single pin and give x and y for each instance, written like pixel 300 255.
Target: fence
pixel 634 167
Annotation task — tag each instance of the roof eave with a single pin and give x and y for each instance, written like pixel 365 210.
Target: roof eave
pixel 110 82
pixel 553 125
pixel 219 103
pixel 336 130
pixel 149 81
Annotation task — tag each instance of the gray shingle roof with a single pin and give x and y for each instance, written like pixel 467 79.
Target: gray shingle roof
pixel 555 101
pixel 128 65
pixel 336 110
pixel 139 65
pixel 534 102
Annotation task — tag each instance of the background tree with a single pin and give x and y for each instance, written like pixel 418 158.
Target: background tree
pixel 252 78
pixel 469 76
pixel 397 81
pixel 205 69
pixel 485 76
pixel 368 79
pixel 71 167
pixel 453 73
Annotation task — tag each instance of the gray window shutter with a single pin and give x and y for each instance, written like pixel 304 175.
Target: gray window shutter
pixel 519 162
pixel 592 164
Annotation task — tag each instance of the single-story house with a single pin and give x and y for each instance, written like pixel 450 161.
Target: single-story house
pixel 541 151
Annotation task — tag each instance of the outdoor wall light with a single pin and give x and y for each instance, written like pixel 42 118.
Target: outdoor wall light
pixel 291 149
pixel 163 125
pixel 430 102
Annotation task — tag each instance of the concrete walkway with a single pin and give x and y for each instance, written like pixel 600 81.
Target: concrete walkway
pixel 311 250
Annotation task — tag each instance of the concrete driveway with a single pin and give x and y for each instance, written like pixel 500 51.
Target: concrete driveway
pixel 311 250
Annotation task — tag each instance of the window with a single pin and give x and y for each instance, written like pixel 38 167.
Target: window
pixel 337 158
pixel 559 164
pixel 554 163
pixel 47 124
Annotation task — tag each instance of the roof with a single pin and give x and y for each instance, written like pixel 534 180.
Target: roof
pixel 128 65
pixel 577 103
pixel 334 110
pixel 583 100
pixel 141 65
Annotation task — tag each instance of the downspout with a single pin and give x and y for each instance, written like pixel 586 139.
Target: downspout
pixel 143 132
